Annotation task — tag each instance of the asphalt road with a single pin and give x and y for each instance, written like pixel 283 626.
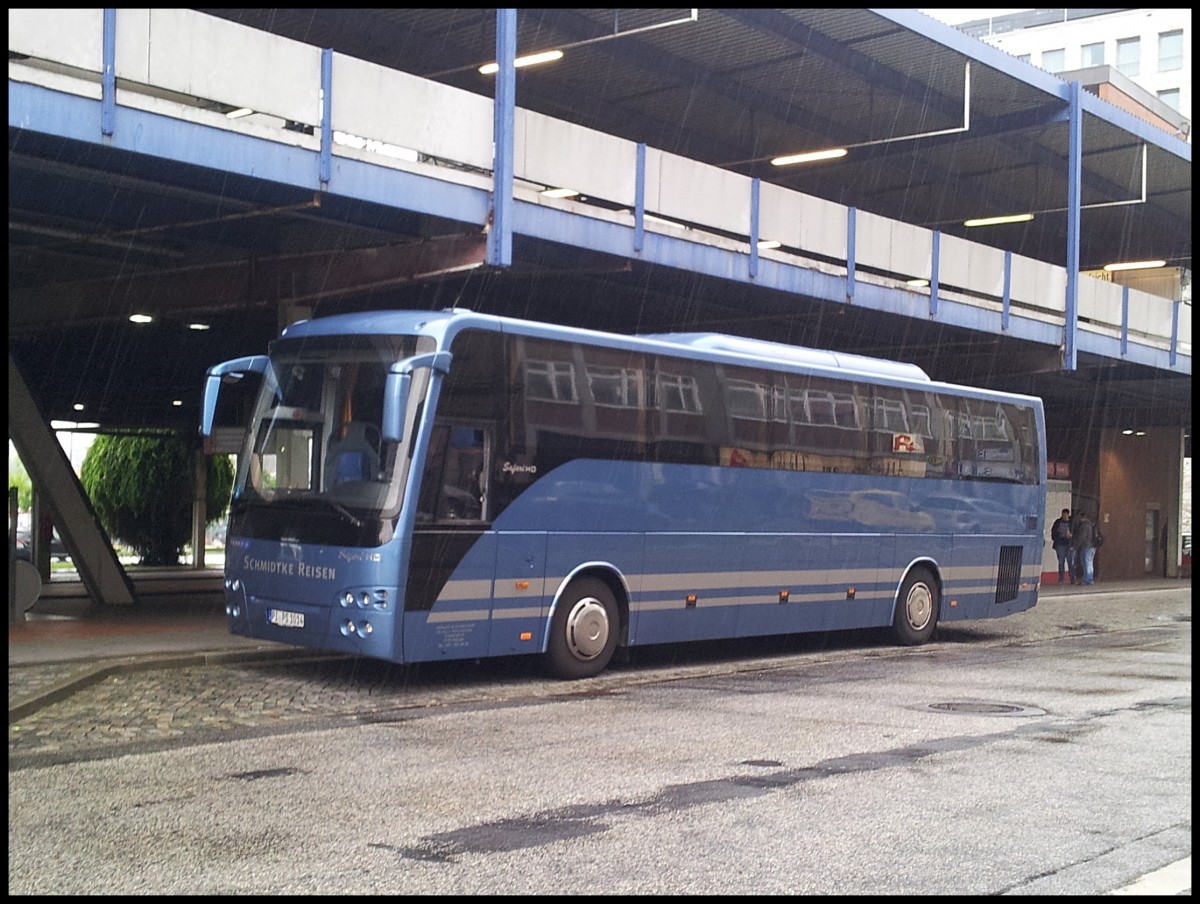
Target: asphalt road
pixel 1046 753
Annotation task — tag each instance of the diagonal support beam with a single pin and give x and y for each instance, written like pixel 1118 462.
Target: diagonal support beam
pixel 52 474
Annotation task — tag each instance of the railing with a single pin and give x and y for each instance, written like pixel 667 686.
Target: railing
pixel 184 64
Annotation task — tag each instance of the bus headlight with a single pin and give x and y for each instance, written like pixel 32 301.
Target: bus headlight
pixel 350 629
pixel 377 598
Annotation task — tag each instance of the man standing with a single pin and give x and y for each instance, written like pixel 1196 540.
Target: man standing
pixel 1165 546
pixel 1060 539
pixel 1083 545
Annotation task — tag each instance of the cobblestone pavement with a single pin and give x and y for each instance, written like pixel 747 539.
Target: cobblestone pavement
pixel 160 704
pixel 151 708
pixel 33 680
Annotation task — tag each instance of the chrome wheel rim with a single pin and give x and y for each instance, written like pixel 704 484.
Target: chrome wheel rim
pixel 587 628
pixel 918 607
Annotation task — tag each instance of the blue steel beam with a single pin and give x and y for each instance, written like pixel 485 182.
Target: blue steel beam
pixel 144 133
pixel 108 75
pixel 500 232
pixel 1074 174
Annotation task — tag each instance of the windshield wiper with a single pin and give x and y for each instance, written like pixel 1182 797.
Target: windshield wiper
pixel 344 512
pixel 341 510
pixel 308 500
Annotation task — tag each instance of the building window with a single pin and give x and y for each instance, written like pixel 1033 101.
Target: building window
pixel 1170 50
pixel 1054 60
pixel 1129 56
pixel 1092 54
pixel 1170 97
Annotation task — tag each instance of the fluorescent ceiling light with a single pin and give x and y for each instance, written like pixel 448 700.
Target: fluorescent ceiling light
pixel 178 403
pixel 998 221
pixel 140 318
pixel 809 157
pixel 238 113
pixel 78 406
pixel 768 244
pixel 1135 265
pixel 917 283
pixel 532 59
pixel 559 193
pixel 198 326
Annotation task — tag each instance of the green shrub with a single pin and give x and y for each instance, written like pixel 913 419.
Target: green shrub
pixel 18 477
pixel 141 488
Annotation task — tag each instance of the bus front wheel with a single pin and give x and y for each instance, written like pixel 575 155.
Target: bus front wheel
pixel 916 608
pixel 583 632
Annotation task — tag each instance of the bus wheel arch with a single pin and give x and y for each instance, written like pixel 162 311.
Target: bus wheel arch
pixel 589 620
pixel 918 604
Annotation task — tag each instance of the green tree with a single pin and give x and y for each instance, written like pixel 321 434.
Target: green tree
pixel 18 477
pixel 141 488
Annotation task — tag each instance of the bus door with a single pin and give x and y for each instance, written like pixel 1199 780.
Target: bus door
pixel 448 595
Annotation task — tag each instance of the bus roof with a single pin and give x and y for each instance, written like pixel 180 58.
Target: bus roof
pixel 797 354
pixel 443 325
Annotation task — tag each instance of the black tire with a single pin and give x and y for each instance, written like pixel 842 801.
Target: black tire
pixel 583 632
pixel 917 607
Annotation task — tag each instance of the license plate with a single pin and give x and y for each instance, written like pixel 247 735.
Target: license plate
pixel 285 619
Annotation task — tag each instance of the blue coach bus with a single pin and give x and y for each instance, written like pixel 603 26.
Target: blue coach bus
pixel 420 486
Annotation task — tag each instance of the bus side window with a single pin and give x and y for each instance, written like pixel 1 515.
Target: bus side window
pixel 453 487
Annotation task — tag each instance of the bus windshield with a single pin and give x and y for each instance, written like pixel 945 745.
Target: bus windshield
pixel 314 467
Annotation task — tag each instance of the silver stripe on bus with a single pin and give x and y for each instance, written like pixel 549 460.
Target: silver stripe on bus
pixel 518 612
pixel 507 589
pixel 466 590
pixel 458 615
pixel 957 580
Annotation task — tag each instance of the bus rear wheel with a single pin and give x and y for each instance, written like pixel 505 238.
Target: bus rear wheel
pixel 917 607
pixel 583 632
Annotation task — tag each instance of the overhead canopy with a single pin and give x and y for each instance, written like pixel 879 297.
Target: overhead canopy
pixel 938 128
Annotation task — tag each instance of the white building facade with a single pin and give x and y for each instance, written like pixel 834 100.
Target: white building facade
pixel 1152 48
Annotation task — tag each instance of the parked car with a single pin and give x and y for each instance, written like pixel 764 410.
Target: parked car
pixel 58 552
pixel 971 515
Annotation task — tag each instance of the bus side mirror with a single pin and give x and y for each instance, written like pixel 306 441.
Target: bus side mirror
pixel 238 367
pixel 399 383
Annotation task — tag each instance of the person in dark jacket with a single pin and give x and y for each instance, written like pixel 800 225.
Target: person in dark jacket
pixel 1060 539
pixel 1083 543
